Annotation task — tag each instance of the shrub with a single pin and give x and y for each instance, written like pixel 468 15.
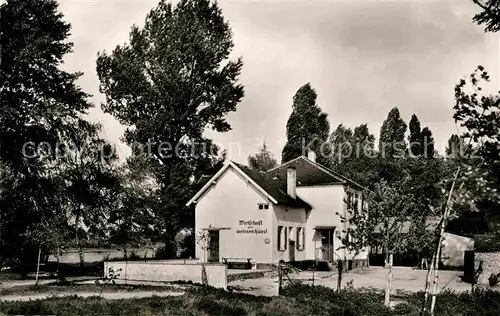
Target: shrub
pixel 494 279
pixel 345 301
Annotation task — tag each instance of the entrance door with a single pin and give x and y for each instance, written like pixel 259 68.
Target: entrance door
pixel 327 244
pixel 213 248
pixel 291 250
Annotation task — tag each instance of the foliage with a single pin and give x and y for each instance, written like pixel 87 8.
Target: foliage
pixel 131 220
pixel 481 303
pixel 185 241
pixel 307 127
pixel 110 278
pixel 392 136
pixel 490 16
pixel 41 129
pixel 494 279
pixel 381 220
pixel 183 83
pixel 353 154
pixel 298 299
pixel 478 112
pixel 263 160
pixel 415 137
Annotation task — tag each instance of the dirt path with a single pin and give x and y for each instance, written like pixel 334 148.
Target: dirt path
pixel 108 295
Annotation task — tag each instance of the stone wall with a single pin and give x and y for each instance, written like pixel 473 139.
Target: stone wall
pixel 165 271
pixel 491 265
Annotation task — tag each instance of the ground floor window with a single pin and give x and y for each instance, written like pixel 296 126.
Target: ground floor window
pixel 282 238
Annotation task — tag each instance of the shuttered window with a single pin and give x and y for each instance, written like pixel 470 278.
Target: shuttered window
pixel 282 238
pixel 300 238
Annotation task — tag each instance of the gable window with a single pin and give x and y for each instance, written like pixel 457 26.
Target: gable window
pixel 300 238
pixel 263 206
pixel 282 238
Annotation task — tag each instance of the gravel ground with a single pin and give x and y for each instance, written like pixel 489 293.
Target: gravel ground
pixel 404 280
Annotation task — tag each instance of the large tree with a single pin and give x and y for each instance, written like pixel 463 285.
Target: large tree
pixel 307 127
pixel 428 148
pixel 415 137
pixel 353 154
pixel 40 105
pixel 392 135
pixel 263 160
pixel 342 146
pixel 168 84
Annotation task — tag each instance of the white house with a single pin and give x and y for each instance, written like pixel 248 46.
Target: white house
pixel 291 213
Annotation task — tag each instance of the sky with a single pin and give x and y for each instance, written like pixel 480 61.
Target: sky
pixel 362 57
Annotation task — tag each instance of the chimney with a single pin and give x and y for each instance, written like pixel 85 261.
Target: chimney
pixel 291 181
pixel 311 155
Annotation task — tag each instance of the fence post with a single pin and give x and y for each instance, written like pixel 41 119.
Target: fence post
pixel 280 277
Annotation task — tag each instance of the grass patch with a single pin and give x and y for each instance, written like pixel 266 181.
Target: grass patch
pixel 56 288
pixel 297 300
pixel 7 276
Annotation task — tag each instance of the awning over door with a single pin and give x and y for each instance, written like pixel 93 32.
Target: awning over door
pixel 324 227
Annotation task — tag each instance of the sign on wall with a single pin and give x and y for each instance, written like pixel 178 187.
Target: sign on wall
pixel 251 227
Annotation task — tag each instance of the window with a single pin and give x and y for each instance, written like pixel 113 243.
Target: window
pixel 349 200
pixel 281 238
pixel 263 206
pixel 300 238
pixel 356 202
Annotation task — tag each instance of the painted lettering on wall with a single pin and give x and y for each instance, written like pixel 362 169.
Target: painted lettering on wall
pixel 250 227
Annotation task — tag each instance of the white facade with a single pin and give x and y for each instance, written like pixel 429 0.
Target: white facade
pixel 250 224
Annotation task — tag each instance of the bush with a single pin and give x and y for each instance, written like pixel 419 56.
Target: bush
pixel 298 300
pixel 494 279
pixel 327 301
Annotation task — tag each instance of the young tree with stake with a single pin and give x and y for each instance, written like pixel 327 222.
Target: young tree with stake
pixel 379 220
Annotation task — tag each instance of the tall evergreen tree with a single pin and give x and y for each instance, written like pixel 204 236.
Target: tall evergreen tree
pixel 171 82
pixel 263 160
pixel 428 145
pixel 454 146
pixel 415 138
pixel 392 135
pixel 342 145
pixel 353 154
pixel 364 138
pixel 307 127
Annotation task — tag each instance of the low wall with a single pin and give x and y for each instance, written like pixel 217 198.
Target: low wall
pixel 168 271
pixel 491 265
pixel 98 255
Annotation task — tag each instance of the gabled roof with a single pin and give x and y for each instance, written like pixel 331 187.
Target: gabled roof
pixel 487 243
pixel 431 224
pixel 310 173
pixel 273 188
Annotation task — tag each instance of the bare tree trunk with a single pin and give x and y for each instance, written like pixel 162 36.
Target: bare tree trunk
pixel 38 265
pixel 387 299
pixel 437 258
pixel 436 277
pixel 427 284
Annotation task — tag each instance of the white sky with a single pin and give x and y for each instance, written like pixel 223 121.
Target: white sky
pixel 362 57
